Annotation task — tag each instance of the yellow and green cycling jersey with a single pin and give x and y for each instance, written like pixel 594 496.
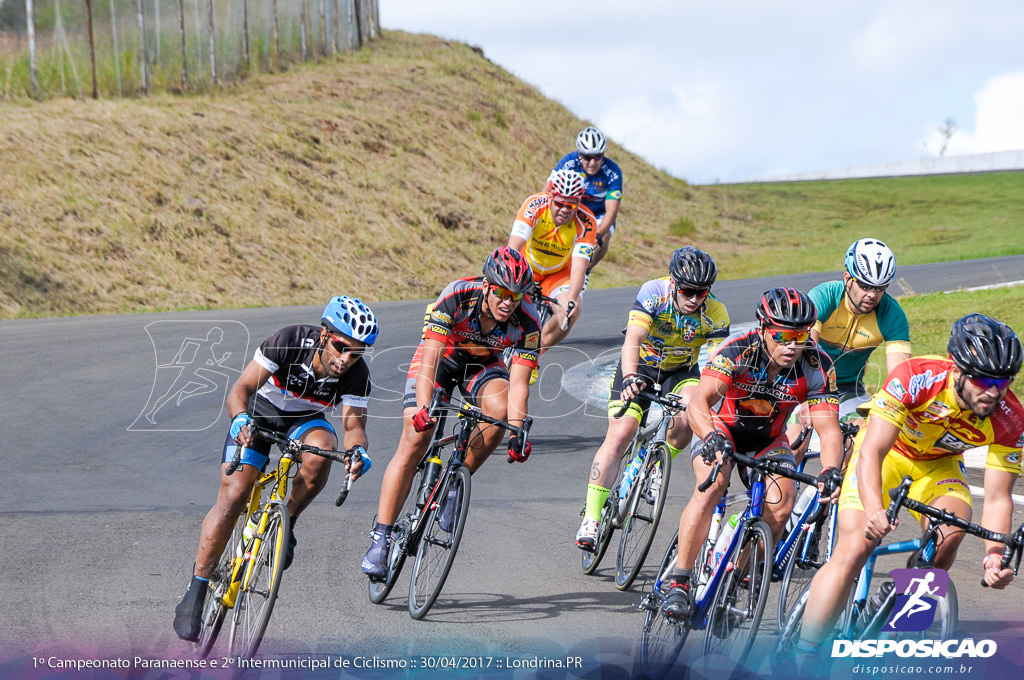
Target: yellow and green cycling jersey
pixel 850 338
pixel 674 340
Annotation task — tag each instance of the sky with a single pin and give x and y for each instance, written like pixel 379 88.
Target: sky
pixel 727 90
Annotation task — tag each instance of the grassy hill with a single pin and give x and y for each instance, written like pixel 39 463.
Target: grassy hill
pixel 385 174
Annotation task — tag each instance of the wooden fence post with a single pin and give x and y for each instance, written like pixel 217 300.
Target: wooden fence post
pixel 213 43
pixel 302 29
pixel 245 32
pixel 144 61
pixel 277 34
pixel 184 58
pixel 30 20
pixel 92 48
pixel 117 52
pixel 356 6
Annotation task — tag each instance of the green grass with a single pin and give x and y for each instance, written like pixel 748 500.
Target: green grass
pixel 932 315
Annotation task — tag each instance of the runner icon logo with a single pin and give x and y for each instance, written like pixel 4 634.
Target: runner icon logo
pixel 916 593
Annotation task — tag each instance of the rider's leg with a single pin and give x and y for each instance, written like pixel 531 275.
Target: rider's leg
pixel 397 478
pixel 696 518
pixel 313 472
pixel 679 432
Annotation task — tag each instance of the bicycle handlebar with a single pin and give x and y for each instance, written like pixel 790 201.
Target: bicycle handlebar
pixel 473 413
pixel 289 445
pixel 768 466
pixel 1014 541
pixel 670 401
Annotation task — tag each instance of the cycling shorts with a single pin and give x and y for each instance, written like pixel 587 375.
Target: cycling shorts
pixel 469 377
pixel 670 383
pixel 932 479
pixel 555 283
pixel 266 415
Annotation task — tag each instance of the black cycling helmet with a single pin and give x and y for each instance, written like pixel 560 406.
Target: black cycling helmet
pixel 786 307
pixel 693 268
pixel 506 267
pixel 981 346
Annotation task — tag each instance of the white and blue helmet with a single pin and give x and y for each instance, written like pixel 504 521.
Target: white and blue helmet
pixel 870 262
pixel 591 141
pixel 351 318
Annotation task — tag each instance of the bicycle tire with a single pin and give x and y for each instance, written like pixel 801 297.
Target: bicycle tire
pixel 589 561
pixel 662 639
pixel 644 515
pixel 797 572
pixel 739 604
pixel 214 611
pixel 400 545
pixel 437 547
pixel 789 632
pixel 260 585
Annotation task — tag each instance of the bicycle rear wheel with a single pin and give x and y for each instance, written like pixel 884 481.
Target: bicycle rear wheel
pixel 662 639
pixel 589 561
pixel 214 611
pixel 740 601
pixel 260 585
pixel 644 514
pixel 439 543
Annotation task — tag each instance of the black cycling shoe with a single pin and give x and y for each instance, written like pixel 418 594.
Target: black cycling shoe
pixel 188 615
pixel 678 603
pixel 289 549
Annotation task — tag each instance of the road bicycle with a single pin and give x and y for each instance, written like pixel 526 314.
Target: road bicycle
pixel 731 581
pixel 430 525
pixel 247 577
pixel 637 498
pixel 866 617
pixel 810 536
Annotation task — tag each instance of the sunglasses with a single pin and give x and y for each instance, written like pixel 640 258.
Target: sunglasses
pixel 985 383
pixel 341 347
pixel 786 337
pixel 871 289
pixel 586 158
pixel 563 202
pixel 693 292
pixel 506 294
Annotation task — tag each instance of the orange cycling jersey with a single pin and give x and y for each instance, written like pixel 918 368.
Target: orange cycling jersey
pixel 549 247
pixel 919 397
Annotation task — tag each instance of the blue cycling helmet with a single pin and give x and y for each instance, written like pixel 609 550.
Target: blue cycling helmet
pixel 351 318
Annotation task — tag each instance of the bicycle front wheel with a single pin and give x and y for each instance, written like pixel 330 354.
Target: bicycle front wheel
pixel 662 639
pixel 214 611
pixel 740 601
pixel 260 584
pixel 443 526
pixel 807 556
pixel 589 561
pixel 644 514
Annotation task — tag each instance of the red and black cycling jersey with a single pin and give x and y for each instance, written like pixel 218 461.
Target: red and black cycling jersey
pixel 292 386
pixel 454 319
pixel 757 409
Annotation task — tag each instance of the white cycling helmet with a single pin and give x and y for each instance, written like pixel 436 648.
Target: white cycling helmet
pixel 871 262
pixel 567 183
pixel 590 141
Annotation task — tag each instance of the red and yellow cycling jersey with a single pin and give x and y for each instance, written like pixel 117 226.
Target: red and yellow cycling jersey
pixel 919 397
pixel 549 247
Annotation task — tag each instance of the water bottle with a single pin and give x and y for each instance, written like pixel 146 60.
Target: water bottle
pixel 430 476
pixel 805 498
pixel 630 474
pixel 879 597
pixel 709 544
pixel 724 539
pixel 248 532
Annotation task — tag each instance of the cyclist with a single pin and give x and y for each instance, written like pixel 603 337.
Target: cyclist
pixel 295 375
pixel 746 392
pixel 469 326
pixel 670 320
pixel 556 234
pixel 929 411
pixel 602 179
pixel 856 315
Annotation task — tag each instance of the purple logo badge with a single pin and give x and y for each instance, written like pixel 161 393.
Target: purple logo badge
pixel 917 591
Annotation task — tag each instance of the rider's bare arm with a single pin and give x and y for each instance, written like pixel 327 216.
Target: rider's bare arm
pixel 253 376
pixel 427 373
pixel 709 392
pixel 878 441
pixel 997 515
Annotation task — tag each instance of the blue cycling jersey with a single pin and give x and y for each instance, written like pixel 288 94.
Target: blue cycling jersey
pixel 605 185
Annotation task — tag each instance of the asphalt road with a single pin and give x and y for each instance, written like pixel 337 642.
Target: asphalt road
pixel 103 495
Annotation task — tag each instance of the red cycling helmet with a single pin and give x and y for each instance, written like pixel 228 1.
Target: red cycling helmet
pixel 508 268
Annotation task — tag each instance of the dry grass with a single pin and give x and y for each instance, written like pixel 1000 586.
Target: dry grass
pixel 384 173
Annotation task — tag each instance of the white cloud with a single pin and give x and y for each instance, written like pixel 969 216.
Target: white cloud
pixel 998 120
